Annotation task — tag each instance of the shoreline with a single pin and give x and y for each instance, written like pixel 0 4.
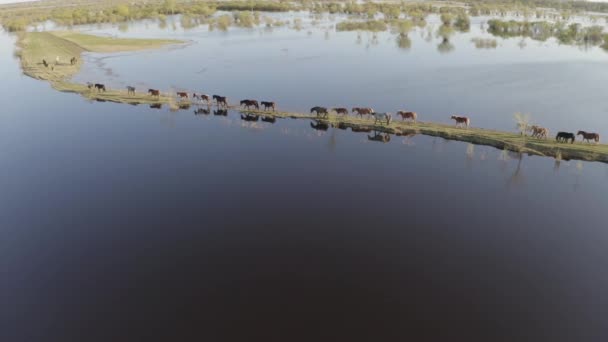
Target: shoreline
pixel 33 45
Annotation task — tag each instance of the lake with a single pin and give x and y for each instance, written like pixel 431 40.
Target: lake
pixel 126 223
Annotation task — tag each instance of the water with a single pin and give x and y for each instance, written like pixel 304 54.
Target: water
pixel 123 222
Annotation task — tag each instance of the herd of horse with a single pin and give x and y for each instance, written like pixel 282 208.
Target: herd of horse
pixel 323 112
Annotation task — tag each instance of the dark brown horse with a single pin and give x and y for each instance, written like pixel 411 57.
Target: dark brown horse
pixel 564 137
pixel 408 115
pixel 461 121
pixel 201 97
pixel 269 104
pixel 250 103
pixel 182 94
pixel 154 92
pixel 320 111
pixel 589 136
pixel 100 87
pixel 340 110
pixel 363 111
pixel 45 63
pixel 130 90
pixel 221 100
pixel 73 61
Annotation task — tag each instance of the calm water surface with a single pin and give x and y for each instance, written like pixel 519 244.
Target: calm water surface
pixel 125 223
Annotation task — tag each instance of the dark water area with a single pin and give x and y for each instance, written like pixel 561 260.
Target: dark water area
pixel 126 223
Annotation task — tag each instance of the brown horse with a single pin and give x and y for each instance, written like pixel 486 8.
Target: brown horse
pixel 250 103
pixel 46 64
pixel 538 132
pixel 461 121
pixel 182 94
pixel 154 92
pixel 130 90
pixel 589 136
pixel 363 111
pixel 340 110
pixel 221 100
pixel 408 115
pixel 73 61
pixel 269 104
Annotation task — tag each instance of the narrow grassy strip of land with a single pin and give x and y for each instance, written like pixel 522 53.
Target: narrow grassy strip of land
pixel 35 46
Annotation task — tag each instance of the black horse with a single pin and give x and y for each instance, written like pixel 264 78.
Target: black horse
pixel 321 111
pixel 100 87
pixel 564 137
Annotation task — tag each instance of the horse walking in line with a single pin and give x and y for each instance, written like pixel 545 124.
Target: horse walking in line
pixel 383 117
pixel 340 110
pixel 182 95
pixel 90 85
pixel 269 104
pixel 130 90
pixel 461 121
pixel 564 137
pixel 538 132
pixel 220 100
pixel 589 136
pixel 201 97
pixel 363 111
pixel 73 61
pixel 250 103
pixel 320 111
pixel 407 115
pixel 154 92
pixel 100 87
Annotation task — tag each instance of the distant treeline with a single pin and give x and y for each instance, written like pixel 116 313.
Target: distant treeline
pixel 542 30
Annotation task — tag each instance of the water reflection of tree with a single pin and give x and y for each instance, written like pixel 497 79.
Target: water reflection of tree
pixel 517 178
pixel 445 32
pixel 404 42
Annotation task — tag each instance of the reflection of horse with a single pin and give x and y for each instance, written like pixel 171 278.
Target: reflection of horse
pixel 130 90
pixel 383 117
pixel 221 100
pixel 250 117
pixel 320 111
pixel 156 105
pixel 380 137
pixel 408 115
pixel 202 111
pixel 340 110
pixel 154 92
pixel 220 112
pixel 589 136
pixel 100 87
pixel 361 129
pixel 270 119
pixel 250 103
pixel 184 106
pixel 269 104
pixel 363 111
pixel 320 126
pixel 461 121
pixel 182 94
pixel 564 137
pixel 340 125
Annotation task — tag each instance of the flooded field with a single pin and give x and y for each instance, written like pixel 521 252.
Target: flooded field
pixel 130 223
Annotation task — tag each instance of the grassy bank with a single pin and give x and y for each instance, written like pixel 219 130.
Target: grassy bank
pixel 35 46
